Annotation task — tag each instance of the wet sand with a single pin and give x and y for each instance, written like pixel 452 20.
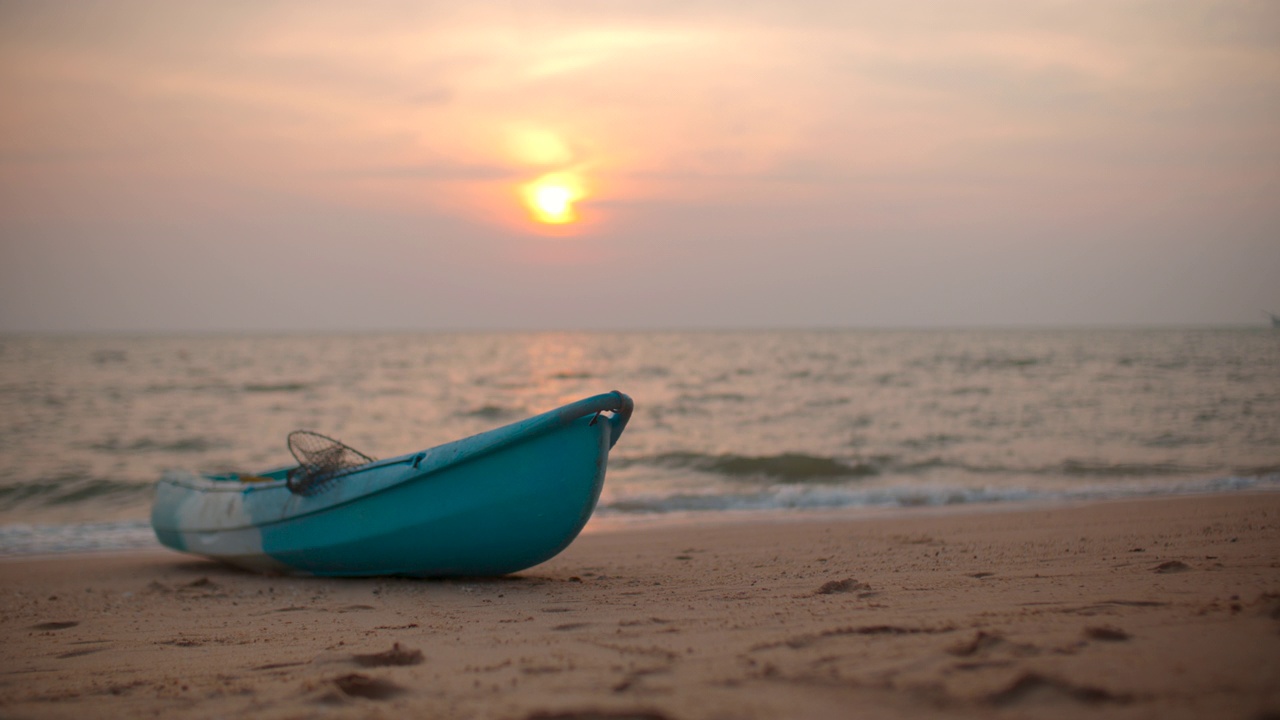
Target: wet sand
pixel 1163 608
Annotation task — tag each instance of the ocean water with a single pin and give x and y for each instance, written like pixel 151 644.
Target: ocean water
pixel 725 422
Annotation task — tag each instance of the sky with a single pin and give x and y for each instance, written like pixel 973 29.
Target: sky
pixel 192 165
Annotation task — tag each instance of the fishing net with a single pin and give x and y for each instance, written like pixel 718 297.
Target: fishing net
pixel 320 460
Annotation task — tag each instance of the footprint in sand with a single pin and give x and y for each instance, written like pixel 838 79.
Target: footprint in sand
pixel 78 653
pixel 1033 689
pixel 980 642
pixel 369 688
pixel 597 715
pixel 398 655
pixel 848 585
pixel 1106 633
pixel 59 625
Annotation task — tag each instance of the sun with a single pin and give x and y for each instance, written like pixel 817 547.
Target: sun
pixel 550 198
pixel 554 202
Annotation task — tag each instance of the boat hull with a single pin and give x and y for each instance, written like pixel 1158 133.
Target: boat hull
pixel 492 504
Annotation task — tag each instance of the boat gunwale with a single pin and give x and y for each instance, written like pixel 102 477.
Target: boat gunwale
pixel 507 436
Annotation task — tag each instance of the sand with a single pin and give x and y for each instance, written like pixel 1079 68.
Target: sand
pixel 1161 608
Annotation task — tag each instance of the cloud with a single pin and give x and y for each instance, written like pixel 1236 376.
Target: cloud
pixel 808 134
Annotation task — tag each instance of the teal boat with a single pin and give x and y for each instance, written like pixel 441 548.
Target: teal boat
pixel 490 504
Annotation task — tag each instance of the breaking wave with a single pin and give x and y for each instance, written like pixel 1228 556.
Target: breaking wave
pixel 70 489
pixel 785 467
pixel 798 467
pixel 795 497
pixel 47 539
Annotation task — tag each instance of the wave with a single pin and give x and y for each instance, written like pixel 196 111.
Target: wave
pixel 571 375
pixel 1080 468
pixel 939 440
pixel 796 467
pixel 1170 440
pixel 195 387
pixel 197 444
pixel 785 467
pixel 285 387
pixel 710 397
pixel 1068 468
pixel 69 489
pixel 793 497
pixel 966 363
pixel 1257 471
pixel 971 390
pixel 49 539
pixel 492 412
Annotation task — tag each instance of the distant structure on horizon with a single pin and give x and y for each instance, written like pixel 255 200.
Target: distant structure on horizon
pixel 1275 320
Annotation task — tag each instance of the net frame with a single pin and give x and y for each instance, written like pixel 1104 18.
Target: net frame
pixel 321 460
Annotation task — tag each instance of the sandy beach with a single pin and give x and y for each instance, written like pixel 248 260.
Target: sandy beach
pixel 1164 608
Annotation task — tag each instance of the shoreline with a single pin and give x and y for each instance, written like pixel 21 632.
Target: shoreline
pixel 628 522
pixel 1146 607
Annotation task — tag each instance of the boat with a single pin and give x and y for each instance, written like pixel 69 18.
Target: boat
pixel 490 504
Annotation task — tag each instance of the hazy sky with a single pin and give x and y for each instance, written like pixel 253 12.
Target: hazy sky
pixel 227 165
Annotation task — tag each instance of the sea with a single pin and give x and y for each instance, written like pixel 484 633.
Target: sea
pixel 733 424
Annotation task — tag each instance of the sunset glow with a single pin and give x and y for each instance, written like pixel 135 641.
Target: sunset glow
pixel 550 198
pixel 538 147
pixel 923 162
